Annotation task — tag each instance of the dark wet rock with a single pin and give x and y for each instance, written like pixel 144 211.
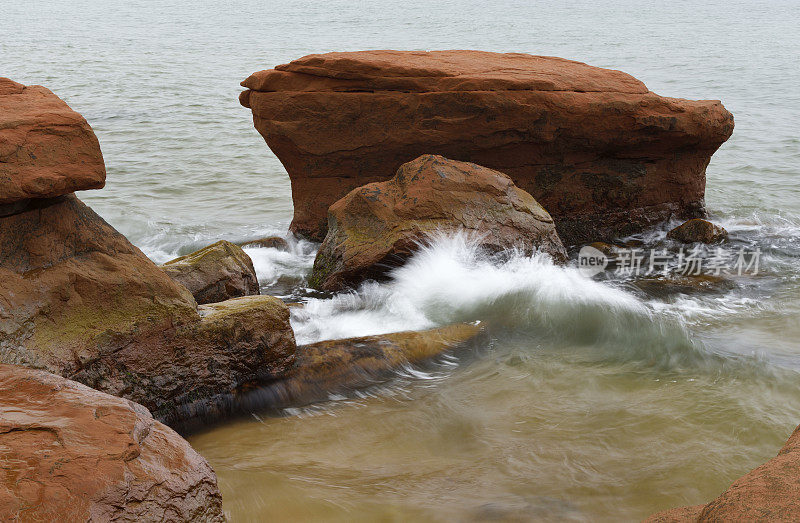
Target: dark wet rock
pixel 698 230
pixel 603 154
pixel 270 242
pixel 333 367
pixel 340 365
pixel 378 226
pixel 71 453
pixel 770 492
pixel 215 273
pixel 665 286
pixel 606 248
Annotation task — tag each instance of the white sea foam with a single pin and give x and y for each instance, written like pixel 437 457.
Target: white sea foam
pixel 272 264
pixel 451 280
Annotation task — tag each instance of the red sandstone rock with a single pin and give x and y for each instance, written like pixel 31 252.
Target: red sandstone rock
pixel 770 492
pixel 599 151
pixel 71 453
pixel 79 300
pixel 46 148
pixel 376 227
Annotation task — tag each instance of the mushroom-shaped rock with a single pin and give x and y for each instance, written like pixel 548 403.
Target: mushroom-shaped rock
pixel 215 273
pixel 604 155
pixel 698 230
pixel 378 226
pixel 79 300
pixel 46 148
pixel 71 453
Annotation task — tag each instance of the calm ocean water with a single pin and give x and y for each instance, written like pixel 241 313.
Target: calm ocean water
pixel 661 400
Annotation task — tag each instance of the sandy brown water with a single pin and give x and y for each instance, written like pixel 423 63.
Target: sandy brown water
pixel 511 437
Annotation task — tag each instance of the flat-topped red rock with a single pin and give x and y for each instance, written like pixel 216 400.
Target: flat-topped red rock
pixel 46 148
pixel 425 71
pixel 600 152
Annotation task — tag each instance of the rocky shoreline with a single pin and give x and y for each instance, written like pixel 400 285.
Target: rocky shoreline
pixel 102 350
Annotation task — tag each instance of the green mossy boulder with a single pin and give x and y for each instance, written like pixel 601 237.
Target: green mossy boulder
pixel 215 273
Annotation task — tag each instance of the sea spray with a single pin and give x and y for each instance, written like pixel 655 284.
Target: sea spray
pixel 273 264
pixel 450 280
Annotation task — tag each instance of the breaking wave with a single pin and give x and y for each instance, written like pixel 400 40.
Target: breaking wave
pixel 550 306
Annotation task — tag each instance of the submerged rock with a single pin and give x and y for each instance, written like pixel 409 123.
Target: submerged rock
pixel 666 286
pixel 698 230
pixel 270 242
pixel 340 365
pixel 608 249
pixel 770 492
pixel 604 155
pixel 376 227
pixel 71 453
pixel 333 367
pixel 215 273
pixel 46 148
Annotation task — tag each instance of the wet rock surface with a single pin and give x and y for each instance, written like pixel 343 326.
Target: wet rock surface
pixel 332 367
pixel 81 301
pixel 71 453
pixel 215 273
pixel 270 242
pixel 378 226
pixel 698 230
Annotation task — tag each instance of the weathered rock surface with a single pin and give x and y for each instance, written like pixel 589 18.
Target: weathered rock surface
pixel 770 492
pixel 77 299
pixel 698 230
pixel 270 242
pixel 46 148
pixel 600 152
pixel 71 453
pixel 377 226
pixel 72 288
pixel 215 273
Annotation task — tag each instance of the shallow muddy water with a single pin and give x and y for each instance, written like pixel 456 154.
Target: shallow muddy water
pixel 593 400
